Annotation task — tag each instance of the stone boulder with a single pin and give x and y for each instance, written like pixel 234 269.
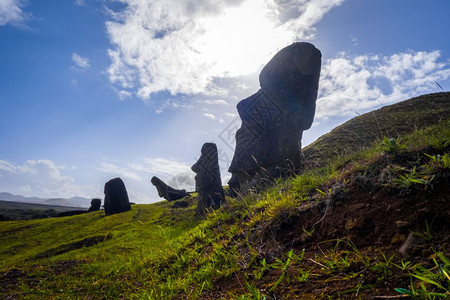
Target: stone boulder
pixel 268 143
pixel 95 205
pixel 116 197
pixel 167 192
pixel 208 183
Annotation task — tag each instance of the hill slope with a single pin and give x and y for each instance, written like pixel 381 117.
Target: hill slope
pixel 371 225
pixel 87 254
pixel 391 121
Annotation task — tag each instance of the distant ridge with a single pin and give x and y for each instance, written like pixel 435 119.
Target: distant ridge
pixel 19 198
pixel 390 121
pixel 70 202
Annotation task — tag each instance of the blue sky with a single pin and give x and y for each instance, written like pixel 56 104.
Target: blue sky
pixel 95 89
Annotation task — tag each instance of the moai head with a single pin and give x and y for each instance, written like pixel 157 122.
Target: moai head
pixel 207 168
pixel 274 118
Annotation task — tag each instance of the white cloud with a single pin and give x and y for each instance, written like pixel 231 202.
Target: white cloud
pixel 148 167
pixel 231 115
pixel 308 13
pixel 361 83
pixel 216 102
pixel 81 61
pixel 165 166
pixel 181 46
pixel 11 13
pixel 118 171
pixel 7 166
pixel 42 178
pixel 174 104
pixel 210 116
pixel 123 95
pixel 80 3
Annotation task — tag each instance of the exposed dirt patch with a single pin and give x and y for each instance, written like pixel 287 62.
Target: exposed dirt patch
pixel 18 229
pixel 362 222
pixel 87 242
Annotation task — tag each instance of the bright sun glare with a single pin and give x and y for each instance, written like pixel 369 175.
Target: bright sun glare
pixel 241 39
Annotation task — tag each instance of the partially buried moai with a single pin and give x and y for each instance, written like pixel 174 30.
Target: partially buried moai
pixel 208 183
pixel 116 197
pixel 268 144
pixel 95 205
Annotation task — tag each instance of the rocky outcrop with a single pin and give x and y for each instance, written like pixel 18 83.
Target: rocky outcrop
pixel 95 205
pixel 268 144
pixel 116 197
pixel 208 183
pixel 167 192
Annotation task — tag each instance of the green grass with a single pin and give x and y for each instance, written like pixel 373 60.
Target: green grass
pixel 124 242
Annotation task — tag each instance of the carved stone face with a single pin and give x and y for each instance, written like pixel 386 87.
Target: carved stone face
pixel 207 167
pixel 273 119
pixel 161 187
pixel 207 180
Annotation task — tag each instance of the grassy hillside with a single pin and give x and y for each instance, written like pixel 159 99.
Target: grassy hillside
pixel 372 224
pixel 390 121
pixel 88 254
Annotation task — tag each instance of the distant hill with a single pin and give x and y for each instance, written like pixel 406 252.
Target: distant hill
pixel 71 202
pixel 391 121
pixel 57 201
pixel 10 197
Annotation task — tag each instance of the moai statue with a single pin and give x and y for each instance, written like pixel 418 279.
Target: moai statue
pixel 268 144
pixel 95 205
pixel 207 180
pixel 116 197
pixel 167 192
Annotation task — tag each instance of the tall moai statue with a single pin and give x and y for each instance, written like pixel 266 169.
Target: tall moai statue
pixel 268 143
pixel 208 183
